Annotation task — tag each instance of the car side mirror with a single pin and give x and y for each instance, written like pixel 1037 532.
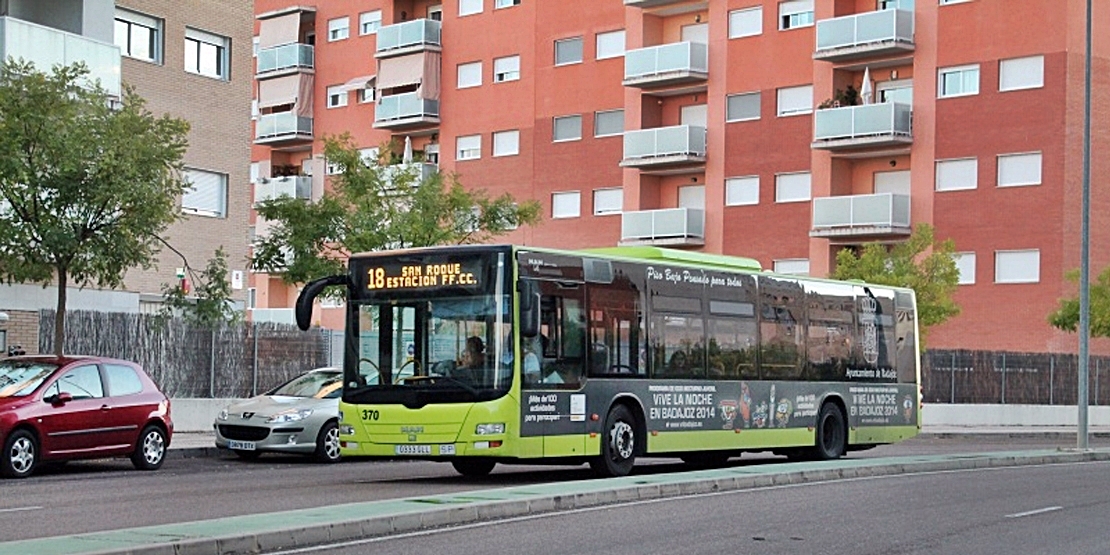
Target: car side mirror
pixel 61 398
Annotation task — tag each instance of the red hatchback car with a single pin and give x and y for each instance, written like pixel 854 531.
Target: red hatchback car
pixel 64 408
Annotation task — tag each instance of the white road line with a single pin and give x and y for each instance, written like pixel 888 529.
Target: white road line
pixel 1034 512
pixel 18 509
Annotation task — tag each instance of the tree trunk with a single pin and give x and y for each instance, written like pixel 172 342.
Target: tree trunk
pixel 60 312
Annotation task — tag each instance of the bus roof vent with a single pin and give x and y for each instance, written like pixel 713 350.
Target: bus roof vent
pixel 679 257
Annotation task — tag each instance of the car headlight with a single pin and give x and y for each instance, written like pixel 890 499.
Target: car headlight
pixel 222 415
pixel 292 415
pixel 490 429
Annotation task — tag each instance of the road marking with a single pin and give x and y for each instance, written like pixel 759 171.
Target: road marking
pixel 1034 512
pixel 18 509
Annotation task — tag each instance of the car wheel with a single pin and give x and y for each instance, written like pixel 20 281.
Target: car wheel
pixel 473 468
pixel 327 443
pixel 246 455
pixel 618 444
pixel 20 455
pixel 150 452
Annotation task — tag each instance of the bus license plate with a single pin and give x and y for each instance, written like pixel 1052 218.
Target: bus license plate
pixel 240 445
pixel 447 449
pixel 413 449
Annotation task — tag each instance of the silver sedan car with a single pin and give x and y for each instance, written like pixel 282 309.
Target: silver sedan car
pixel 300 416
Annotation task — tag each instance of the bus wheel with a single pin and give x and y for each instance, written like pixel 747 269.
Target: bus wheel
pixel 618 444
pixel 473 468
pixel 832 433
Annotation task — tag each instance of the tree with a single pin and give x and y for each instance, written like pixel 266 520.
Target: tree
pixel 373 207
pixel 921 263
pixel 86 185
pixel 206 301
pixel 1066 317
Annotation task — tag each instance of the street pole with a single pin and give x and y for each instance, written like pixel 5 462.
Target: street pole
pixel 1085 248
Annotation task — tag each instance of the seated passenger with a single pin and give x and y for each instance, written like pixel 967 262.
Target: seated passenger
pixel 474 356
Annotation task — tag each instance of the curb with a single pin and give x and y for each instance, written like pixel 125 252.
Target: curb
pixel 309 527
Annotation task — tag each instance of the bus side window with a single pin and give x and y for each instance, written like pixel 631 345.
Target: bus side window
pixel 563 323
pixel 617 338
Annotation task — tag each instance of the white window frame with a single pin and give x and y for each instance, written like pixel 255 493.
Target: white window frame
pixel 1031 159
pixel 255 172
pixel 965 265
pixel 796 14
pixel 604 50
pixel 337 96
pixel 964 71
pixel 555 126
pixel 339 28
pixel 597 118
pixel 791 266
pixel 742 191
pixel 506 143
pixel 501 4
pixel 1022 74
pixel 369 22
pixel 506 68
pixel 468 147
pixel 570 40
pixel 608 201
pixel 370 156
pixel 561 205
pixel 471 7
pixel 950 2
pixel 799 110
pixel 782 180
pixel 964 166
pixel 367 95
pixel 202 43
pixel 758 101
pixel 1006 275
pixel 191 195
pixel 155 26
pixel 746 22
pixel 469 75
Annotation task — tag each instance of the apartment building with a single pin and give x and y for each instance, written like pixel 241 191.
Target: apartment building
pixel 188 58
pixel 778 130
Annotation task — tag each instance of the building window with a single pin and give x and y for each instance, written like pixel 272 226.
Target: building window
pixel 1021 73
pixel 943 2
pixel 370 156
pixel 506 69
pixel 610 45
pixel 794 101
pixel 608 201
pixel 369 22
pixel 792 266
pixel 957 81
pixel 506 143
pixel 567 128
pixel 339 28
pixel 742 191
pixel 206 54
pixel 470 75
pixel 252 297
pixel 566 204
pixel 608 123
pixel 255 172
pixel 792 187
pixel 337 96
pixel 795 13
pixel 498 4
pixel 1022 266
pixel 965 265
pixel 743 107
pixel 1018 170
pixel 206 194
pixel 468 147
pixel 139 36
pixel 333 168
pixel 470 7
pixel 745 23
pixel 568 51
pixel 366 95
pixel 957 175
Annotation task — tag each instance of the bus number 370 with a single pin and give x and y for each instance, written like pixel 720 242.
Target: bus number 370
pixel 369 414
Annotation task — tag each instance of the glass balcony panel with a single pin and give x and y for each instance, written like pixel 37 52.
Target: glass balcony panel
pixel 282 123
pixel 665 141
pixel 417 172
pixel 888 118
pixel 410 33
pixel 47 47
pixel 666 58
pixel 286 56
pixel 289 186
pixel 670 223
pixel 274 316
pixel 883 210
pixel 404 106
pixel 865 28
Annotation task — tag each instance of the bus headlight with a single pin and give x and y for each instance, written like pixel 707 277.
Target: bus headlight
pixel 490 429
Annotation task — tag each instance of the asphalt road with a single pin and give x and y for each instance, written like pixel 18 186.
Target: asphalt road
pixel 107 495
pixel 1058 509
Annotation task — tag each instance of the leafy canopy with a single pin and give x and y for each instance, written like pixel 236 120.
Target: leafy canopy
pixel 1066 317
pixel 372 207
pixel 209 304
pixel 920 263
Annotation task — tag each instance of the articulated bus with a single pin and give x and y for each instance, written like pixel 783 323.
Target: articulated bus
pixel 477 355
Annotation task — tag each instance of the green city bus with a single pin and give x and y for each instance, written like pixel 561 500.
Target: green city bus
pixel 476 355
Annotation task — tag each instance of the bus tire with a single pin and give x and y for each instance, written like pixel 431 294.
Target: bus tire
pixel 618 444
pixel 473 468
pixel 831 435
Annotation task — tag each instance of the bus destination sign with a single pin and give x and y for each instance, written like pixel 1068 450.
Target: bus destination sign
pixel 420 276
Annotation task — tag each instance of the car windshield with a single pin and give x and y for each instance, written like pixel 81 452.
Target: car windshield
pixel 19 378
pixel 318 384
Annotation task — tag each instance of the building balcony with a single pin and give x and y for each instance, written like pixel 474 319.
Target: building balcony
pixel 651 3
pixel 413 172
pixel 273 316
pixel 862 216
pixel 668 64
pixel 286 58
pixel 401 111
pixel 664 147
pixel 295 186
pixel 47 47
pixel 282 129
pixel 861 127
pixel 676 227
pixel 865 35
pixel 409 37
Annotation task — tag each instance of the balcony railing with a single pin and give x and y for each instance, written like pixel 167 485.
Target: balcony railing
pixel 861 215
pixel 670 226
pixel 286 56
pixel 867 34
pixel 404 109
pixel 667 64
pixel 418 172
pixel 282 126
pixel 664 146
pixel 47 47
pixel 295 186
pixel 419 33
pixel 868 125
pixel 273 316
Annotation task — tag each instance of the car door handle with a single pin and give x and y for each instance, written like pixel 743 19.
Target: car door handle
pixel 105 407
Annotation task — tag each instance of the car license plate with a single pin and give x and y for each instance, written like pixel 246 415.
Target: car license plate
pixel 240 445
pixel 413 449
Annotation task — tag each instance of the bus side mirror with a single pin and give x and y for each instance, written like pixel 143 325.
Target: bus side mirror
pixel 529 308
pixel 309 294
